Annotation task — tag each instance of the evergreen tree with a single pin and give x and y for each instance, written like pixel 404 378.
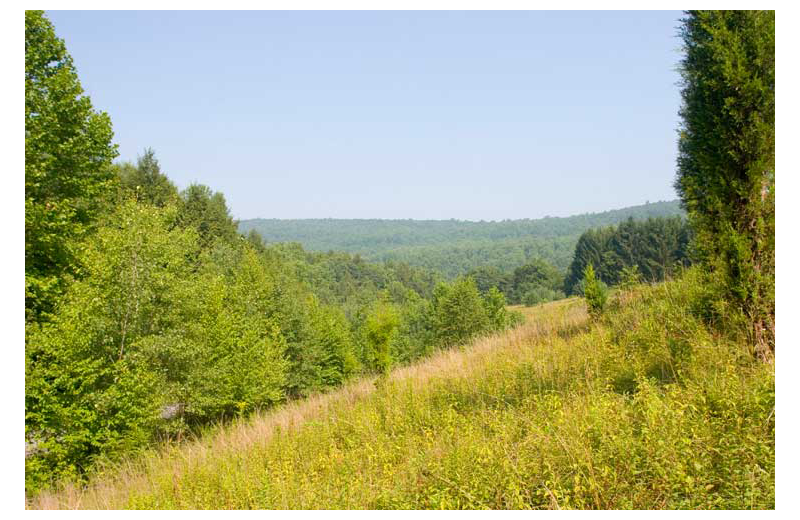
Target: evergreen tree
pixel 656 247
pixel 726 162
pixel 207 212
pixel 146 181
pixel 589 250
pixel 594 291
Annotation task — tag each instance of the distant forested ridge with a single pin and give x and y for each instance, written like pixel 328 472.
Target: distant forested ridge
pixel 453 247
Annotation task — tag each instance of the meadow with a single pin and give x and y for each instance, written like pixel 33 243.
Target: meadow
pixel 645 407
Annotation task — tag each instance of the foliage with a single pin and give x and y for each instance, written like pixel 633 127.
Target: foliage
pixel 646 409
pixel 532 283
pixel 416 336
pixel 380 328
pixel 90 389
pixel 494 303
pixel 238 345
pixel 145 181
pixel 629 277
pixel 541 294
pixel 329 357
pixel 68 155
pixel 726 163
pixel 452 247
pixel 594 291
pixel 207 212
pixel 658 248
pixel 459 312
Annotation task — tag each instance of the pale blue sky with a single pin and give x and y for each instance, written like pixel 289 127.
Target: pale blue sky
pixel 425 115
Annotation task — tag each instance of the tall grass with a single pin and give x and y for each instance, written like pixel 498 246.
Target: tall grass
pixel 644 408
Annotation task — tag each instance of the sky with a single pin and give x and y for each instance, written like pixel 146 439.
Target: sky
pixel 426 115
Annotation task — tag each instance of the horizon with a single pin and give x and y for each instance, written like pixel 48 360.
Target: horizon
pixel 646 203
pixel 392 115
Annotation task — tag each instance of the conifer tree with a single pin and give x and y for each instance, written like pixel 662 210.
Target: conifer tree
pixel 726 162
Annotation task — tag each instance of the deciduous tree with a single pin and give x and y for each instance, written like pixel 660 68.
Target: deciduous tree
pixel 68 154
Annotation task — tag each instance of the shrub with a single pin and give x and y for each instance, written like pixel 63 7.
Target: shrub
pixel 594 291
pixel 459 312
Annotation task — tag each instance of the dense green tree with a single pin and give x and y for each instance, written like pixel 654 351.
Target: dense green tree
pixel 239 362
pixel 328 356
pixel 256 240
pixel 68 154
pixel 145 181
pixel 494 304
pixel 380 329
pixel 589 250
pixel 415 336
pixel 534 282
pixel 726 162
pixel 658 247
pixel 459 312
pixel 207 212
pixel 594 291
pixel 488 277
pixel 89 387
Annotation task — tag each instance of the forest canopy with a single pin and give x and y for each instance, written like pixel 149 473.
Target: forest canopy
pixel 453 247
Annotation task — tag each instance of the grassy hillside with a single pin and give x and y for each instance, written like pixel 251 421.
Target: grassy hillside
pixel 647 408
pixel 452 247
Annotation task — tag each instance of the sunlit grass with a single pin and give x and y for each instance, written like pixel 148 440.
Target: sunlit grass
pixel 646 409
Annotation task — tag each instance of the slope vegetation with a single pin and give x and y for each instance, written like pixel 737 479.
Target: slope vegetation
pixel 644 408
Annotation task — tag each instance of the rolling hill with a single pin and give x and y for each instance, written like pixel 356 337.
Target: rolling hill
pixel 452 247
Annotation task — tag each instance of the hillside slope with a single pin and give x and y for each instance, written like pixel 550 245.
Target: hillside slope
pixel 645 409
pixel 452 247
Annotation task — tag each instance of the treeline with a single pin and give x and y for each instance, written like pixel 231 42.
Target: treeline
pixel 456 259
pixel 452 247
pixel 650 250
pixel 148 315
pixel 529 284
pixel 175 321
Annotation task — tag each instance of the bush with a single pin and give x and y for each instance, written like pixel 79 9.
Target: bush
pixel 459 312
pixel 542 295
pixel 594 291
pixel 379 330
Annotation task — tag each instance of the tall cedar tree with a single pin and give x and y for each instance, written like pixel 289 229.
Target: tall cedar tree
pixel 68 154
pixel 726 162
